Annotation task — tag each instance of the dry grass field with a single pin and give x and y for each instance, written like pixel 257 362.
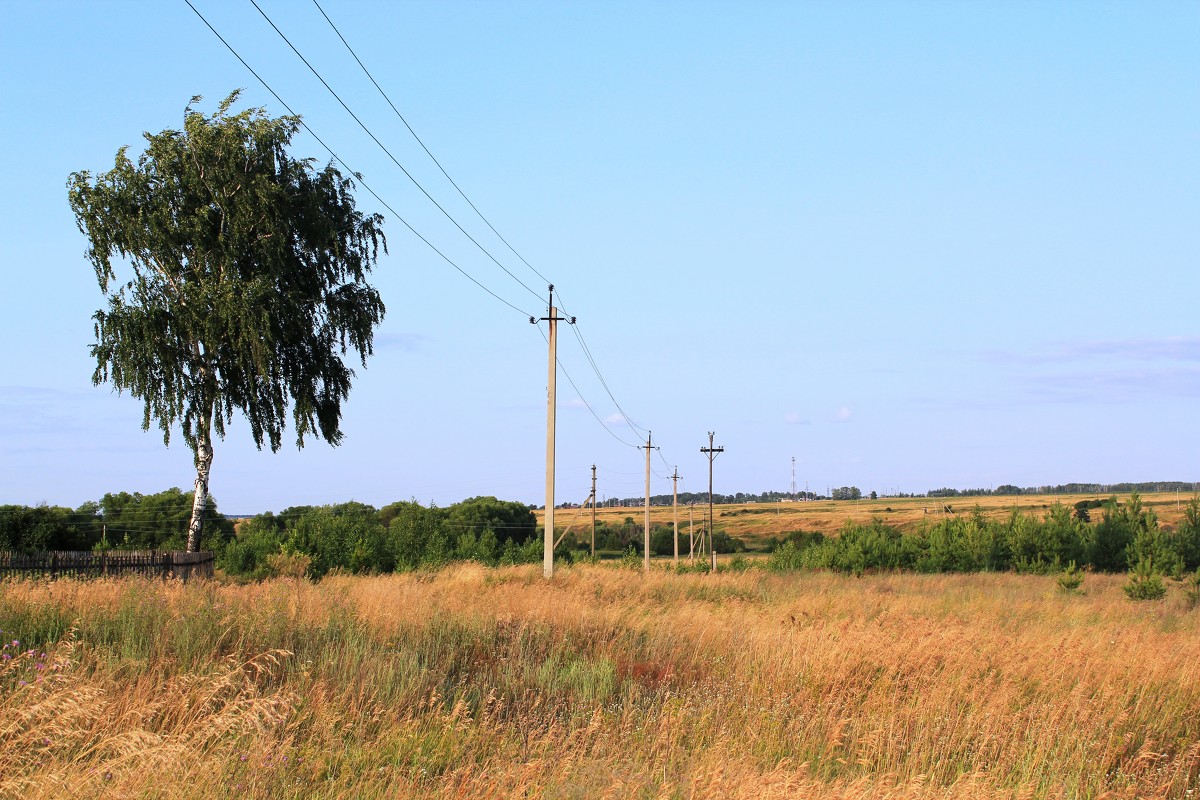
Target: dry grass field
pixel 603 682
pixel 756 522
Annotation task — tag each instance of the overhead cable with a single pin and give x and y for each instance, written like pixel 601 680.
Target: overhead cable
pixel 384 148
pixel 423 147
pixel 357 176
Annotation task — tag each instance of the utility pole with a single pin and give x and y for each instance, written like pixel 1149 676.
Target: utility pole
pixel 552 339
pixel 593 510
pixel 646 533
pixel 711 452
pixel 793 479
pixel 675 509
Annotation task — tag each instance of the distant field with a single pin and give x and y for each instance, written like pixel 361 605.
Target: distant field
pixel 602 683
pixel 756 522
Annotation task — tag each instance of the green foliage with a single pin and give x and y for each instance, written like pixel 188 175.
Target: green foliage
pixel 33 529
pixel 724 543
pixel 1145 582
pixel 964 544
pixel 257 540
pixel 246 282
pixel 348 537
pixel 354 537
pixel 1187 536
pixel 1117 531
pixel 160 521
pixel 631 559
pixel 1071 579
pixel 1191 589
pixel 972 543
pixel 118 521
pixel 508 520
pixel 788 557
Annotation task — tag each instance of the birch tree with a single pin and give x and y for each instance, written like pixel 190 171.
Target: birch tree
pixel 235 279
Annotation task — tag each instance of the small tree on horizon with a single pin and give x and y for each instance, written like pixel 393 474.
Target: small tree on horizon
pixel 248 282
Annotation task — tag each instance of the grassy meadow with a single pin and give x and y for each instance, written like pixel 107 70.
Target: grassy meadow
pixel 603 682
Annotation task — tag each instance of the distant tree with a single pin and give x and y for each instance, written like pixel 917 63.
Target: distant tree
pixel 847 493
pixel 158 521
pixel 248 282
pixel 507 520
pixel 874 496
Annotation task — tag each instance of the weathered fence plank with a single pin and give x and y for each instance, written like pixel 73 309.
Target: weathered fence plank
pixel 86 564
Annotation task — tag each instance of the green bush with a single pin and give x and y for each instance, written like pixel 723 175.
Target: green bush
pixel 1071 579
pixel 1191 589
pixel 1145 583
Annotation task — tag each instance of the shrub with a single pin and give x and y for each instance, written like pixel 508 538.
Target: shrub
pixel 1145 583
pixel 1191 589
pixel 1071 579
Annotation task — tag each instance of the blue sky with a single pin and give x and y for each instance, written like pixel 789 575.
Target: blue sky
pixel 911 245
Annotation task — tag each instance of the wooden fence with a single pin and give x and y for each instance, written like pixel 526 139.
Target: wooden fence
pixel 86 564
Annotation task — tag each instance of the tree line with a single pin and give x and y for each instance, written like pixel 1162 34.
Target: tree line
pixel 315 540
pixel 353 537
pixel 1008 489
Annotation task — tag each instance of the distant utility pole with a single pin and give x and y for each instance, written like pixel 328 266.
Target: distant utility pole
pixel 675 509
pixel 646 533
pixel 711 452
pixel 793 479
pixel 593 510
pixel 552 338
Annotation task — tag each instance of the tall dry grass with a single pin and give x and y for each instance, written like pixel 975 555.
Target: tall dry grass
pixel 601 683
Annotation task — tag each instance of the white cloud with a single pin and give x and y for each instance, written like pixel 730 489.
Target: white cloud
pixel 793 418
pixel 843 414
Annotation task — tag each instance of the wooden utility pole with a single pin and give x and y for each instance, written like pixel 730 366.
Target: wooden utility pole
pixel 675 510
pixel 711 452
pixel 552 339
pixel 593 510
pixel 646 533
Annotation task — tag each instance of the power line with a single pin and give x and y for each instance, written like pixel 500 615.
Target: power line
pixel 384 148
pixel 358 176
pixel 582 399
pixel 423 147
pixel 637 429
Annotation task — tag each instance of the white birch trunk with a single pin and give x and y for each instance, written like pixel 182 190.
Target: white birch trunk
pixel 204 457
